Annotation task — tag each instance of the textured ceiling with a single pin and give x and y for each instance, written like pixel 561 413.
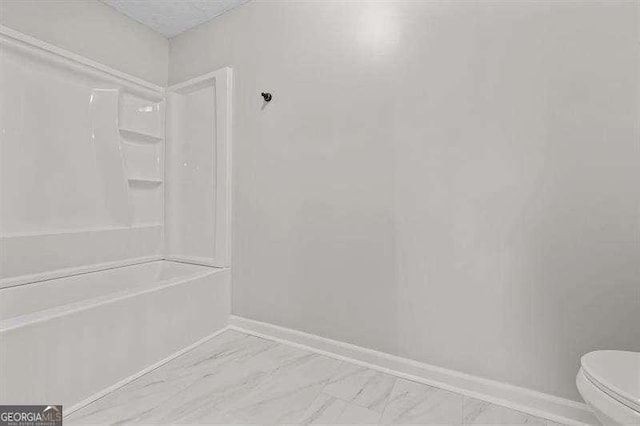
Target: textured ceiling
pixel 171 17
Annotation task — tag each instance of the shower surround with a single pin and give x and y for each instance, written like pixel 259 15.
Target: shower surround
pixel 87 297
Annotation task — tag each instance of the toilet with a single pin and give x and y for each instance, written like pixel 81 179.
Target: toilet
pixel 609 382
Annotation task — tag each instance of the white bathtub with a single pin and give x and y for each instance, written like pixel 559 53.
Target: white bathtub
pixel 64 340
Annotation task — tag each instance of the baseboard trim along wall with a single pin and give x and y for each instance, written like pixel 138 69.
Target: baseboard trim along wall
pixel 526 400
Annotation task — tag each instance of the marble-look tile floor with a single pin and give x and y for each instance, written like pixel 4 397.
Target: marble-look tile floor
pixel 236 378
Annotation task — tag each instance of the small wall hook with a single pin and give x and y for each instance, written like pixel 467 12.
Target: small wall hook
pixel 267 96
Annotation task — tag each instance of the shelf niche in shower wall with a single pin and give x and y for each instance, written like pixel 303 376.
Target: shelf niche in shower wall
pixel 199 170
pixel 143 161
pixel 141 126
pixel 138 137
pixel 139 116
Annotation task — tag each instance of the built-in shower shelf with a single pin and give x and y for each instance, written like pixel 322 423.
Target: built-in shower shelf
pixel 145 181
pixel 135 136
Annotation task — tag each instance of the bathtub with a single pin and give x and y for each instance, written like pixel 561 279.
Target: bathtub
pixel 65 340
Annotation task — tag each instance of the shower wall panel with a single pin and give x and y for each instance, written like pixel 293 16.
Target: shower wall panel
pixel 198 170
pixel 81 164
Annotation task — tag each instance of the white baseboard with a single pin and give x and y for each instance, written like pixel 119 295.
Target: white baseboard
pixel 526 400
pixel 139 374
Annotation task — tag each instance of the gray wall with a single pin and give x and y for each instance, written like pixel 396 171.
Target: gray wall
pixel 94 30
pixel 453 182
